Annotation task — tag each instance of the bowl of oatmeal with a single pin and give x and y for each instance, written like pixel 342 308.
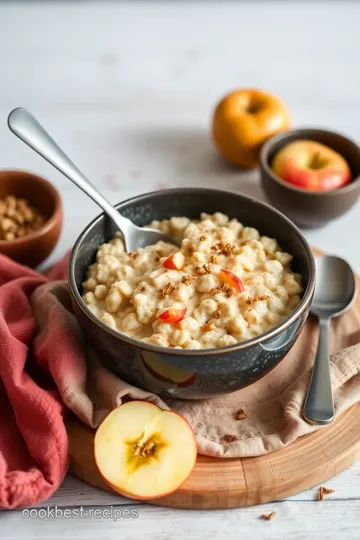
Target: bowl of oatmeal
pixel 208 315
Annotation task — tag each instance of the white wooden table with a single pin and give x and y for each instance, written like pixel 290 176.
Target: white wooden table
pixel 128 89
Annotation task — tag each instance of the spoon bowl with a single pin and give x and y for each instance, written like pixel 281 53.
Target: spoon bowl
pixel 334 294
pixel 335 287
pixel 23 124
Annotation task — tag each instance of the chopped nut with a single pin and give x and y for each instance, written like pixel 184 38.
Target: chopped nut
pixel 227 290
pixel 323 491
pixel 215 290
pixel 168 289
pixel 241 414
pixel 204 269
pixel 213 259
pixel 14 214
pixel 229 438
pixel 187 280
pixel 251 301
pixel 7 224
pixel 203 237
pixel 225 248
pixel 208 327
pixel 217 314
pixel 224 288
pixel 268 517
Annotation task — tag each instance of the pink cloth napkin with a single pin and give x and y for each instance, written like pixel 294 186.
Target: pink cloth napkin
pixel 33 441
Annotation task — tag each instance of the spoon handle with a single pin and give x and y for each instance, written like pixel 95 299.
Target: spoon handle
pixel 27 128
pixel 319 404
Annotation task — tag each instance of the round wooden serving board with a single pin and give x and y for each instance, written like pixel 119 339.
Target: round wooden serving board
pixel 231 483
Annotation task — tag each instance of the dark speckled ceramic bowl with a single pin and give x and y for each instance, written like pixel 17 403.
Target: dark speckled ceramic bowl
pixel 197 374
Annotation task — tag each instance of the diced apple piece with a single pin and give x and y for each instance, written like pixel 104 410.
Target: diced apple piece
pixel 163 371
pixel 172 315
pixel 230 279
pixel 144 452
pixel 175 261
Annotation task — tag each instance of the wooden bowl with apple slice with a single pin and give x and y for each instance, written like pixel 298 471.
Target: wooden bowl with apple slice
pixel 308 203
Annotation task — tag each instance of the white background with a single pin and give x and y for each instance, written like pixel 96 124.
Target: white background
pixel 128 89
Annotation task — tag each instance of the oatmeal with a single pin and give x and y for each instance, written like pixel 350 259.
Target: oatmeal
pixel 225 284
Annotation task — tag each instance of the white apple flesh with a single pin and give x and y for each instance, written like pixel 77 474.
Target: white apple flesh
pixel 144 452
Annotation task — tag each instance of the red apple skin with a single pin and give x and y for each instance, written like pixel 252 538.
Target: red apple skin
pixel 172 315
pixel 139 498
pixel 175 261
pixel 312 166
pixel 232 280
pixel 182 384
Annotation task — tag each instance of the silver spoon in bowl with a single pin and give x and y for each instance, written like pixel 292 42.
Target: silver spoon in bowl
pixel 334 293
pixel 27 128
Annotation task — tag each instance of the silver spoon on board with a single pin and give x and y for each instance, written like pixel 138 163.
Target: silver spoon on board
pixel 27 128
pixel 334 293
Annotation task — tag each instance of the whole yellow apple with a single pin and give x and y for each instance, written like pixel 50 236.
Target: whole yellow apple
pixel 243 120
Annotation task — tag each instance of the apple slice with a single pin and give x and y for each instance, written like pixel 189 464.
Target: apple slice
pixel 175 261
pixel 163 371
pixel 144 452
pixel 230 279
pixel 172 315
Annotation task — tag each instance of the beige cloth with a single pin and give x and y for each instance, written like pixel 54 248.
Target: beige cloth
pixel 273 405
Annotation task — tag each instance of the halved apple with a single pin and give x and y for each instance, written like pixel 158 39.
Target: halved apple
pixel 175 261
pixel 163 371
pixel 172 315
pixel 231 279
pixel 144 452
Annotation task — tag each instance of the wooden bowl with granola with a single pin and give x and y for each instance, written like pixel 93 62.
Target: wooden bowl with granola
pixel 30 217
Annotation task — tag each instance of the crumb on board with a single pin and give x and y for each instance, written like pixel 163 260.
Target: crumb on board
pixel 229 438
pixel 322 491
pixel 241 414
pixel 268 517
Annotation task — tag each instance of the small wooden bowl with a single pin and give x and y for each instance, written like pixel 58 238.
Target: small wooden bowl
pixel 310 208
pixel 35 247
